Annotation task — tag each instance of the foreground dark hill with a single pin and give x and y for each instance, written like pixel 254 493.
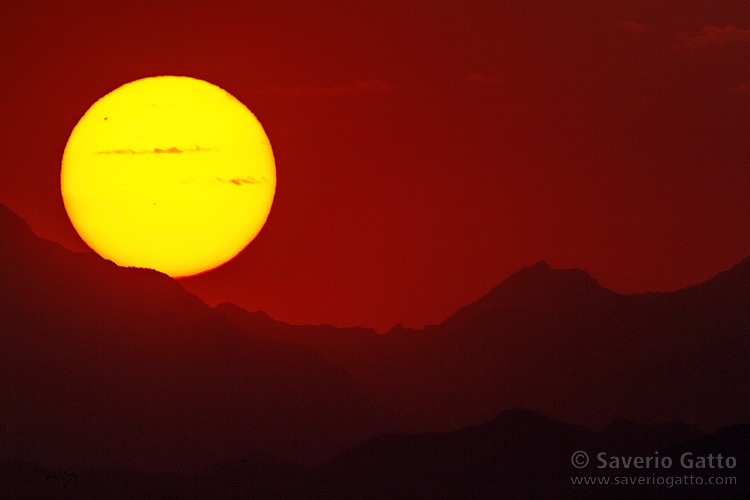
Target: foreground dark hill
pixel 518 454
pixel 521 454
pixel 555 341
pixel 102 366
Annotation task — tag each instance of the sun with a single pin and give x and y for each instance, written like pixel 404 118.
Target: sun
pixel 170 173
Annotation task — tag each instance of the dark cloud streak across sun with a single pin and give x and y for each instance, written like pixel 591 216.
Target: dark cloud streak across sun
pixel 242 180
pixel 172 150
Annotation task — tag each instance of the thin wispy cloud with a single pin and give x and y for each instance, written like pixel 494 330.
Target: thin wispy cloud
pixel 632 26
pixel 311 91
pixel 484 80
pixel 713 36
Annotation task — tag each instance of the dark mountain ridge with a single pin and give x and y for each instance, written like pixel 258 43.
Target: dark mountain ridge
pixel 556 341
pixel 106 366
pixel 99 363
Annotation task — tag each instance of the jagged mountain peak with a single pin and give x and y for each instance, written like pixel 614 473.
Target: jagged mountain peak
pixel 542 264
pixel 536 287
pixel 544 272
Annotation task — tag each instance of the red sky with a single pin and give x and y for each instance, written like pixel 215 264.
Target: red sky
pixel 425 150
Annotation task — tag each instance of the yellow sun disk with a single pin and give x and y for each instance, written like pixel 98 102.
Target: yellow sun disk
pixel 169 173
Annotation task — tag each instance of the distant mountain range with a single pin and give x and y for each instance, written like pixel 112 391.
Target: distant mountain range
pixel 126 380
pixel 555 341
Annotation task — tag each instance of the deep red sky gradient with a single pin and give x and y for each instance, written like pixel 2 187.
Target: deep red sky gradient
pixel 425 150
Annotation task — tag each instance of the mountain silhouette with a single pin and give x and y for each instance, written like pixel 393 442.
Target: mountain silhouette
pixel 555 341
pixel 523 454
pixel 120 373
pixel 112 367
pixel 518 454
